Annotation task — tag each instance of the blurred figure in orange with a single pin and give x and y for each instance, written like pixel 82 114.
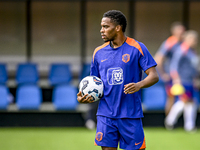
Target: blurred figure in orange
pixel 183 70
pixel 163 58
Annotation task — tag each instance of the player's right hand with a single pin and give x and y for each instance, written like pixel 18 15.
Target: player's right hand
pixel 84 99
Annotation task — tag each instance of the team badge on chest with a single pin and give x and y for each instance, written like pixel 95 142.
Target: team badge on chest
pixel 126 58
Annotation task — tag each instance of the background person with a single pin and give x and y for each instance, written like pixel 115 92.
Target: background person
pixel 163 58
pixel 183 70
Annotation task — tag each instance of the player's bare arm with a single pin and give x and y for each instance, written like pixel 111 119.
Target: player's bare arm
pixel 159 58
pixel 151 79
pixel 84 99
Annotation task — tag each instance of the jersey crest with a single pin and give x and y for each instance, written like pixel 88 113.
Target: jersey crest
pixel 126 58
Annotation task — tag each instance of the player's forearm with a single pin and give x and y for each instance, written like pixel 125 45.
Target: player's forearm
pixel 151 79
pixel 159 60
pixel 175 77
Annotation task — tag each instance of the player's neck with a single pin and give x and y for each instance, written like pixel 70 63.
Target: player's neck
pixel 178 37
pixel 119 41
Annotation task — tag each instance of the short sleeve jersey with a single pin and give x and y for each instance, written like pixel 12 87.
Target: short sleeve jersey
pixel 118 67
pixel 184 63
pixel 167 49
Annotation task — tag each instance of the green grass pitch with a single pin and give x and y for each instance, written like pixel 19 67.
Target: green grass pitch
pixel 82 139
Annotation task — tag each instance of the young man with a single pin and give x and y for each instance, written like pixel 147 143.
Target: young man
pixel 163 58
pixel 183 70
pixel 119 63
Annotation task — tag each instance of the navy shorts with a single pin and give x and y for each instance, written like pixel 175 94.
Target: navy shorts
pixel 128 132
pixel 188 94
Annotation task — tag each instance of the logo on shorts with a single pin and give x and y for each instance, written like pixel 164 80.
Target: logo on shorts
pixel 126 58
pixel 138 143
pixel 99 136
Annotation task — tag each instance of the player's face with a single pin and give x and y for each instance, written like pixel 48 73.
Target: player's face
pixel 108 29
pixel 194 41
pixel 179 31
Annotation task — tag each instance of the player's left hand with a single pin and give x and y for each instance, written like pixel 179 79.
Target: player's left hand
pixel 131 88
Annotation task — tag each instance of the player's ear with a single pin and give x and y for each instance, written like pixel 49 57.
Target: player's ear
pixel 118 28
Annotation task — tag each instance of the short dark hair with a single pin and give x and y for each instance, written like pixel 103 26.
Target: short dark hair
pixel 176 24
pixel 117 17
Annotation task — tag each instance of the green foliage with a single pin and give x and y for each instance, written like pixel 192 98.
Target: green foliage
pixel 83 139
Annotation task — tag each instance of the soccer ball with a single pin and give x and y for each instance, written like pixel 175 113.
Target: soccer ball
pixel 93 86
